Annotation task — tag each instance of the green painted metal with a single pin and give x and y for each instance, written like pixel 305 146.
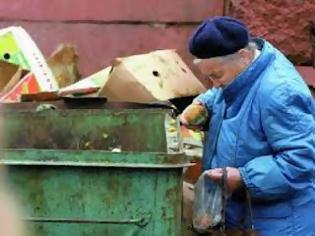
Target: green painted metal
pixel 93 158
pixel 111 201
pixel 128 130
pixel 75 189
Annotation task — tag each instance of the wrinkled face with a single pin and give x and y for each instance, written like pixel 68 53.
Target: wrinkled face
pixel 222 70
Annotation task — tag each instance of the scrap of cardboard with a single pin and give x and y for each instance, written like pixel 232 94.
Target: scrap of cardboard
pixel 64 64
pixel 17 47
pixel 90 86
pixel 27 85
pixel 7 71
pixel 156 76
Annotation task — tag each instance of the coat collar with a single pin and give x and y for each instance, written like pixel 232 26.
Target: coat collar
pixel 242 83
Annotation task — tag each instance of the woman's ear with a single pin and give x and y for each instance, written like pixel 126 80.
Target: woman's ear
pixel 245 55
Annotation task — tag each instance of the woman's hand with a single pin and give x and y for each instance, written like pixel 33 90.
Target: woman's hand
pixel 194 116
pixel 234 179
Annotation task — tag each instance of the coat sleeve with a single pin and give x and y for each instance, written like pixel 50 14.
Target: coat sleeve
pixel 207 98
pixel 288 123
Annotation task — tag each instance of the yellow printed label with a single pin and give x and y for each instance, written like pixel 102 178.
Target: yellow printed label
pixel 10 51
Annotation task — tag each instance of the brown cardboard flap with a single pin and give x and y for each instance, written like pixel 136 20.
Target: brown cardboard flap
pixel 63 62
pixel 7 71
pixel 156 76
pixel 10 75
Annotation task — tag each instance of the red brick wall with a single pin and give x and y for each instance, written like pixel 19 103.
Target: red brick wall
pixel 286 24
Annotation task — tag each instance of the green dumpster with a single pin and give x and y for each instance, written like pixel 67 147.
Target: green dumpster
pixel 94 171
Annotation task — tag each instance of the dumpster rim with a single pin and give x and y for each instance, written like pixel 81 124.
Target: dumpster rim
pixel 50 157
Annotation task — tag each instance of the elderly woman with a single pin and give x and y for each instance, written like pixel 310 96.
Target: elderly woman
pixel 262 129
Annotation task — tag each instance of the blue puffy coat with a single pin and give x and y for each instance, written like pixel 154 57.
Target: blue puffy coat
pixel 264 124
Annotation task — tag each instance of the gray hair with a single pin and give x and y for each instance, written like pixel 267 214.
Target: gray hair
pixel 251 46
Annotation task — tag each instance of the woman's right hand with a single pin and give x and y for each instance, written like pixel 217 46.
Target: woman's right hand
pixel 195 115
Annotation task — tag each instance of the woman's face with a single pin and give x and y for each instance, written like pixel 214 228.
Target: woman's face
pixel 222 71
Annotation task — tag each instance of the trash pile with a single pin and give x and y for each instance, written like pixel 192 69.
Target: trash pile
pixel 156 76
pixel 22 66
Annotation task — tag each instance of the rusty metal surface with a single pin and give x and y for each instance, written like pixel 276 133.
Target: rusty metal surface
pixel 92 158
pixel 69 185
pixel 140 221
pixel 47 127
pixel 85 103
pixel 99 201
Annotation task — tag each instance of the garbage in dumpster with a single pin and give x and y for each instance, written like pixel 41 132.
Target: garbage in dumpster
pixel 7 71
pixel 89 86
pixel 16 82
pixel 39 97
pixel 64 64
pixel 28 84
pixel 17 47
pixel 193 147
pixel 156 76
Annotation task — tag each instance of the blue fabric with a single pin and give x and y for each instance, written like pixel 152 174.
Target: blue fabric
pixel 264 124
pixel 218 36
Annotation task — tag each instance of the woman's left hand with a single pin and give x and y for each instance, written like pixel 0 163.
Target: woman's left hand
pixel 234 179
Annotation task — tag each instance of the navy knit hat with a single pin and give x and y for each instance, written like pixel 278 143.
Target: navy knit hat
pixel 218 36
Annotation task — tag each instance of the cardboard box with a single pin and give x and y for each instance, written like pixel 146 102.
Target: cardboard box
pixel 7 72
pixel 90 85
pixel 17 47
pixel 28 84
pixel 156 76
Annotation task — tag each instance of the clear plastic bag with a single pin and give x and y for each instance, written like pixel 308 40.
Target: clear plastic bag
pixel 208 204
